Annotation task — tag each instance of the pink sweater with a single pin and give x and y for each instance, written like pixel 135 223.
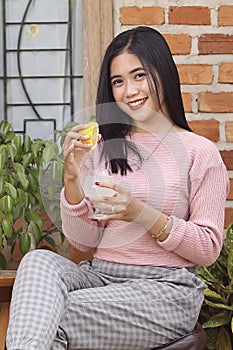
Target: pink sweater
pixel 186 179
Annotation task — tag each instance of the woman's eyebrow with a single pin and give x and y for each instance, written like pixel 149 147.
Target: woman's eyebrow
pixel 131 72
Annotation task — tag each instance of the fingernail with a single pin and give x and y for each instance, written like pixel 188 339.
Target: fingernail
pixel 97 183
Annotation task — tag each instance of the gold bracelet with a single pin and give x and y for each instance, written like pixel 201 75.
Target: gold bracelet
pixel 162 230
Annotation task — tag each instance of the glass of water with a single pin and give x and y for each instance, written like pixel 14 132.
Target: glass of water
pixel 91 190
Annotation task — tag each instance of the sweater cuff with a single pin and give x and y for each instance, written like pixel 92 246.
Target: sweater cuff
pixel 79 209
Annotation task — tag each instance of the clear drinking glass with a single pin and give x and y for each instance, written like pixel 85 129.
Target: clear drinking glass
pixel 91 190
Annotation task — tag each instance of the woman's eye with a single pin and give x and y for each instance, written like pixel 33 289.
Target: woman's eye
pixel 140 75
pixel 116 82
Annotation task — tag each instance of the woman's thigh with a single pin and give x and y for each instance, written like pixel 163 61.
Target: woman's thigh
pixel 137 314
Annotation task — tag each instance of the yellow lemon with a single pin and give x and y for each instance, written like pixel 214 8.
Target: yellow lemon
pixel 93 132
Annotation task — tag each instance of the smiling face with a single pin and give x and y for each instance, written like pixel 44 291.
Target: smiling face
pixel 131 91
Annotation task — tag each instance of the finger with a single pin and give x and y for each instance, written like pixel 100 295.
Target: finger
pixel 79 127
pixel 110 185
pixel 108 217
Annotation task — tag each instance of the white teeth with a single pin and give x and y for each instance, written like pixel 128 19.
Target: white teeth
pixel 137 103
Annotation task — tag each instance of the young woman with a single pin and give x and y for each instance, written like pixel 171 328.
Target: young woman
pixel 165 217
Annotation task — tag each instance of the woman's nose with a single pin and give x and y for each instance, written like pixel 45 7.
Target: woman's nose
pixel 131 89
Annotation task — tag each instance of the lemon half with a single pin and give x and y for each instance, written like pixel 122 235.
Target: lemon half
pixel 93 132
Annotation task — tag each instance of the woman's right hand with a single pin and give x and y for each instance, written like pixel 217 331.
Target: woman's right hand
pixel 75 151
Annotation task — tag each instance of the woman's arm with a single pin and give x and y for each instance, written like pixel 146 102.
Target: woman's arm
pixel 200 238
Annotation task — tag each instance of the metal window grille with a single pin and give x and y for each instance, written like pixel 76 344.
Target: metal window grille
pixel 35 109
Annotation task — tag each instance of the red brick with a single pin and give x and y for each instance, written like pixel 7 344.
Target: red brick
pixel 187 101
pixel 228 216
pixel 230 195
pixel 197 15
pixel 195 73
pixel 227 157
pixel 133 15
pixel 225 16
pixel 229 131
pixel 221 102
pixel 215 44
pixel 180 44
pixel 206 128
pixel 226 72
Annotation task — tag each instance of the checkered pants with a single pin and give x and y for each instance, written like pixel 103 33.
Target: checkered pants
pixel 59 305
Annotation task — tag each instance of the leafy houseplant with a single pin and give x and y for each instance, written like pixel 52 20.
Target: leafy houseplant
pixel 217 311
pixel 24 163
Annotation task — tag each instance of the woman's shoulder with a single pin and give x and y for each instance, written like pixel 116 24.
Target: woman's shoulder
pixel 196 141
pixel 200 147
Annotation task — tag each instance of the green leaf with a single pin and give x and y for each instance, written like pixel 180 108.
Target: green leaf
pixel 37 146
pixel 25 243
pixel 17 211
pixel 10 189
pixel 210 274
pixel 229 289
pixel 230 263
pixel 53 171
pixel 51 192
pixel 7 228
pixel 37 232
pixel 62 236
pixel 6 128
pixel 1 183
pixel 210 294
pixel 27 159
pixel 27 143
pixel 23 180
pixel 219 306
pixel 6 204
pixel 3 262
pixel 32 182
pixel 48 154
pixel 2 161
pixel 217 320
pixel 18 143
pixel 50 240
pixel 229 236
pixel 21 195
pixel 223 340
pixel 36 218
pixel 12 150
pixel 18 168
pixel 1 237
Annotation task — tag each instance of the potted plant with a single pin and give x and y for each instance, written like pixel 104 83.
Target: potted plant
pixel 24 165
pixel 217 311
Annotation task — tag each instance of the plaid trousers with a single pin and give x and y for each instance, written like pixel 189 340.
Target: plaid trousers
pixel 58 305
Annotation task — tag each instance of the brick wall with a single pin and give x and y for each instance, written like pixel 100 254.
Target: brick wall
pixel 200 36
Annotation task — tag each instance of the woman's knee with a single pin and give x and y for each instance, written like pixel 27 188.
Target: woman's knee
pixel 38 258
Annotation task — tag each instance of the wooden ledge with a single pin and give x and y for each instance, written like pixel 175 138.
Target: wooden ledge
pixel 7 278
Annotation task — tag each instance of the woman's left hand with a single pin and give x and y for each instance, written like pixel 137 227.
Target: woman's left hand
pixel 122 205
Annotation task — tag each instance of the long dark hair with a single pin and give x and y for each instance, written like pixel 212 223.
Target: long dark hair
pixel 153 51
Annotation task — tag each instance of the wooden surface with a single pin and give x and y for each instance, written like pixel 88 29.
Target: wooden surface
pixel 97 34
pixel 7 278
pixel 4 317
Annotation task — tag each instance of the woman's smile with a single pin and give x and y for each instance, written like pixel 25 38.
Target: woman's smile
pixel 137 103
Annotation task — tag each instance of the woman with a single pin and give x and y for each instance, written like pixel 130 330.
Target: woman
pixel 165 219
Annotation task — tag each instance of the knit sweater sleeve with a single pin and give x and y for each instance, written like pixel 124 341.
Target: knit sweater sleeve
pixel 82 232
pixel 199 239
